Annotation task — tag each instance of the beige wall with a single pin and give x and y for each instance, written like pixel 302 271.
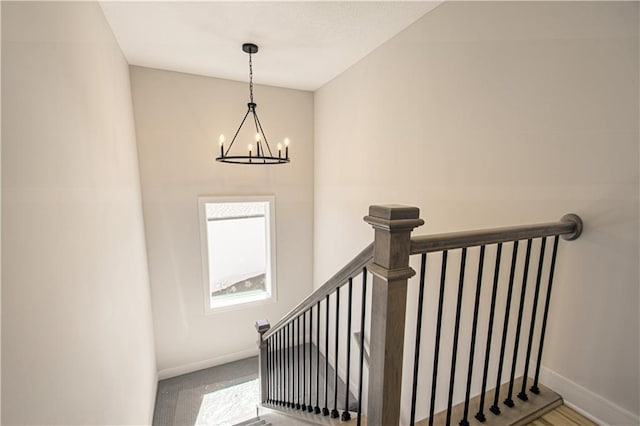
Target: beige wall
pixel 77 341
pixel 488 114
pixel 178 120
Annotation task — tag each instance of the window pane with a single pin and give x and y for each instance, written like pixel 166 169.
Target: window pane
pixel 238 246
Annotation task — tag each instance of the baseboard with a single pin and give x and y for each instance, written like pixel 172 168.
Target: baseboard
pixel 587 403
pixel 167 373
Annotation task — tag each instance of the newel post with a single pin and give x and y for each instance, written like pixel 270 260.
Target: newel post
pixel 390 268
pixel 263 326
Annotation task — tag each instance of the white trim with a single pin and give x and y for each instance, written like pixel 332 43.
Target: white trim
pixel 272 287
pixel 586 402
pixel 170 372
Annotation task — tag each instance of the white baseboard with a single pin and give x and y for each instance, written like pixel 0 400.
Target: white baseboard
pixel 167 373
pixel 587 403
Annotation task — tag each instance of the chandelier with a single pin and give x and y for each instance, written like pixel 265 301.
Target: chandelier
pixel 262 153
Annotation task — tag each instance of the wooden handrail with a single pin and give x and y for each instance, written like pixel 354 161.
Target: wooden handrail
pixel 570 227
pixel 350 270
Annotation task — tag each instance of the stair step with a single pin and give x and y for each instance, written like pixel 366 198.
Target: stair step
pixel 256 421
pixel 521 414
pixel 298 417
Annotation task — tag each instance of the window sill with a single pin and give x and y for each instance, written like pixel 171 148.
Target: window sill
pixel 238 303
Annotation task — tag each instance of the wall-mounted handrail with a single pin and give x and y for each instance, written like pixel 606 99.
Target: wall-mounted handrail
pixel 351 269
pixel 570 227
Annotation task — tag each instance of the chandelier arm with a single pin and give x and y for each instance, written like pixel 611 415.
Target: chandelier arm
pixel 263 135
pixel 255 121
pixel 237 131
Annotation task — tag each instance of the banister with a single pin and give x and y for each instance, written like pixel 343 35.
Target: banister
pixel 337 280
pixel 569 227
pixel 387 259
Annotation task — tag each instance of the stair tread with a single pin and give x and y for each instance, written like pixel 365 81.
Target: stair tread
pixel 522 413
pixel 296 417
pixel 251 422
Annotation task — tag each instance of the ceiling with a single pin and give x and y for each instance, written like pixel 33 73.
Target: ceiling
pixel 302 45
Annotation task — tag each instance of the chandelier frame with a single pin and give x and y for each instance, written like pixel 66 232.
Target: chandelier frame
pixel 260 156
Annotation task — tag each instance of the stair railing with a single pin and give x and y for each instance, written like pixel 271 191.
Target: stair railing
pixel 295 353
pixel 303 381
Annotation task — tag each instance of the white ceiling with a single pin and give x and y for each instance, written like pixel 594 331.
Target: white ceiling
pixel 303 45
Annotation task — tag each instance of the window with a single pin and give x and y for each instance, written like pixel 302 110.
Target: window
pixel 238 250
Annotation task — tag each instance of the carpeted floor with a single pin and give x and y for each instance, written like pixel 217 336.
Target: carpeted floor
pixel 229 393
pixel 222 395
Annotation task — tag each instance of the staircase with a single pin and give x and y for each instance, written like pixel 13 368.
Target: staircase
pixel 475 317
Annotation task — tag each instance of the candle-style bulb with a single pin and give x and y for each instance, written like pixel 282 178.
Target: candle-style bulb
pixel 250 147
pixel 279 146
pixel 258 137
pixel 221 143
pixel 286 141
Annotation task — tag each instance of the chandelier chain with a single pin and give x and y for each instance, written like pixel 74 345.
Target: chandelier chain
pixel 250 79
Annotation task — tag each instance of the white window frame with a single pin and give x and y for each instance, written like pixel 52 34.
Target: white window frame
pixel 247 302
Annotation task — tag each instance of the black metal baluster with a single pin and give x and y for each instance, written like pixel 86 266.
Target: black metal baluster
pixel 505 328
pixel 416 359
pixel 292 348
pixel 325 409
pixel 282 369
pixel 456 334
pixel 310 405
pixel 362 317
pixel 272 370
pixel 535 388
pixel 274 364
pixel 436 350
pixel 289 366
pixel 285 377
pixel 480 415
pixel 303 405
pixel 472 346
pixel 334 413
pixel 269 372
pixel 298 366
pixel 265 398
pixel 346 416
pixel 523 395
pixel 294 363
pixel 279 369
pixel 288 370
pixel 509 401
pixel 316 409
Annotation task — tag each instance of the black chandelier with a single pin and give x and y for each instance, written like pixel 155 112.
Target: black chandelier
pixel 262 153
